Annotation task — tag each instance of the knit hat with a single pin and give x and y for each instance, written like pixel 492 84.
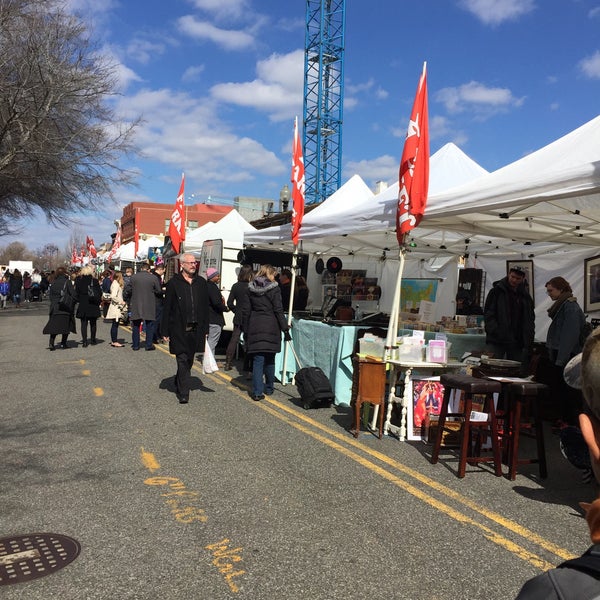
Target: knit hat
pixel 211 272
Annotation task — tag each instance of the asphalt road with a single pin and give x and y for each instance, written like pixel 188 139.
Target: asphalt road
pixel 229 498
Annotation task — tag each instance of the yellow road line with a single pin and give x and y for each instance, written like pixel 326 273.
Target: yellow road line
pixel 493 516
pixel 98 391
pixel 447 510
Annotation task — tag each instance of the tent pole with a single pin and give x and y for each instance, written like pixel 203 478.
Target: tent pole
pixel 290 309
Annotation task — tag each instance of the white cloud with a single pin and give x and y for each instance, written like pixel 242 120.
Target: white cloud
pixel 229 39
pixel 495 12
pixel 187 133
pixel 144 50
pixel 483 101
pixel 222 9
pixel 383 168
pixel 192 73
pixel 277 90
pixel 591 65
pixel 594 13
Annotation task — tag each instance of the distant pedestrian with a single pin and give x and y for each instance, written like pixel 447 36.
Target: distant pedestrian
pixel 117 307
pixel 16 284
pixel 238 297
pixel 216 308
pixel 144 290
pixel 185 321
pixel 159 273
pixel 61 321
pixel 4 290
pixel 89 297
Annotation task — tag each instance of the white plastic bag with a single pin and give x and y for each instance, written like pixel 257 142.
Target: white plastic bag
pixel 209 364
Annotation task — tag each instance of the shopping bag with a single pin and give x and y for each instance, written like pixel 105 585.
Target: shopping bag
pixel 209 364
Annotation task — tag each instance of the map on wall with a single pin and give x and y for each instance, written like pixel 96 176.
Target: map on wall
pixel 414 291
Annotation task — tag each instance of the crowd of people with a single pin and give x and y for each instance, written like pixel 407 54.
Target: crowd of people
pixel 17 288
pixel 186 312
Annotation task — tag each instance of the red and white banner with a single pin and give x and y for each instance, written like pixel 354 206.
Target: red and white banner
pixel 414 165
pixel 116 245
pixel 177 224
pixel 297 185
pixel 91 249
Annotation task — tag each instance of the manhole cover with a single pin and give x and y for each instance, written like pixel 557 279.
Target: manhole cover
pixel 27 557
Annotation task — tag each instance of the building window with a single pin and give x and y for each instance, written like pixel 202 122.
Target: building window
pixel 192 224
pixel 167 222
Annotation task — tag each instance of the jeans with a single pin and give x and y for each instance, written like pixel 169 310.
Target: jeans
pixel 135 332
pixel 263 366
pixel 114 330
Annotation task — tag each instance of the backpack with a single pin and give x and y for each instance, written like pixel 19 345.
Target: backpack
pixel 94 293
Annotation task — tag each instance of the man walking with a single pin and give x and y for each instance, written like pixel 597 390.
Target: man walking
pixel 143 289
pixel 184 322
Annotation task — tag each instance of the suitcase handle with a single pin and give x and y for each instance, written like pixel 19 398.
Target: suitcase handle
pixel 294 353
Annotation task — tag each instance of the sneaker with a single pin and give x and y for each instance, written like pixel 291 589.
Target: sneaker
pixel 258 397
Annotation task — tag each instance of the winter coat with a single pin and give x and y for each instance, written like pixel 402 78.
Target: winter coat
pixel 238 298
pixel 16 283
pixel 263 319
pixel 145 289
pixel 116 301
pixel 60 321
pixel 183 301
pixel 216 305
pixel 87 308
pixel 300 298
pixel 500 327
pixel 564 332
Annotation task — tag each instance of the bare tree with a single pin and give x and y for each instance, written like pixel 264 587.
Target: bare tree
pixel 60 140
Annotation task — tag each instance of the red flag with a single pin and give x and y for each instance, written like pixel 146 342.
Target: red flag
pixel 74 256
pixel 90 247
pixel 177 224
pixel 414 166
pixel 297 185
pixel 116 245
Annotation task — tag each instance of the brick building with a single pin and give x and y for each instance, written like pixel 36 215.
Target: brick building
pixel 152 219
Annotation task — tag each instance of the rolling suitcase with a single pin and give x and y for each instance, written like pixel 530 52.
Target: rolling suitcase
pixel 312 385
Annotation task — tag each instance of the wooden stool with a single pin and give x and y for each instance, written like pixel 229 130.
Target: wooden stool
pixel 371 389
pixel 526 395
pixel 470 386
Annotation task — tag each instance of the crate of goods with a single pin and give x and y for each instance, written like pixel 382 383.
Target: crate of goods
pixel 372 346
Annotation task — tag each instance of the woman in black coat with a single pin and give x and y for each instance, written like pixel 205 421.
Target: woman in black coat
pixel 263 321
pixel 61 321
pixel 88 310
pixel 238 297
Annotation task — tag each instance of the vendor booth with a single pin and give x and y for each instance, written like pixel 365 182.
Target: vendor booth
pixel 543 210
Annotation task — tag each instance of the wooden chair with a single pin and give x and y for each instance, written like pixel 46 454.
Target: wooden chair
pixel 470 452
pixel 525 416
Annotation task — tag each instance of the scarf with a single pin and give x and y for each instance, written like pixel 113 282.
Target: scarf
pixel 564 297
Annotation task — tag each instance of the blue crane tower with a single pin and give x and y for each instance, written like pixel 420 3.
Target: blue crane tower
pixel 323 97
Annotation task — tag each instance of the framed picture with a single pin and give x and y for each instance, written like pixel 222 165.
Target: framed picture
pixel 527 267
pixel 427 394
pixel 591 280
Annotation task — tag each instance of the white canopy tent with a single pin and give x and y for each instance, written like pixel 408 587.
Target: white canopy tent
pixel 346 225
pixel 231 229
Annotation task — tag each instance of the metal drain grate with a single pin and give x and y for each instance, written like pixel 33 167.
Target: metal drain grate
pixel 27 557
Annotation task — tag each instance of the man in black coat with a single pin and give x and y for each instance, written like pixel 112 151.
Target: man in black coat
pixel 184 322
pixel 509 318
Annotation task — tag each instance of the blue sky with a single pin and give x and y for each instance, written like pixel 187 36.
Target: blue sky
pixel 219 82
